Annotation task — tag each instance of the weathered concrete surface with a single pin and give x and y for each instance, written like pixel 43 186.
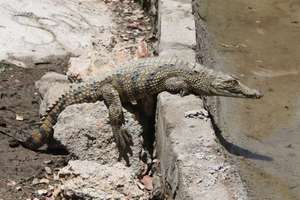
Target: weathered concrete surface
pixel 37 31
pixel 193 165
pixel 177 34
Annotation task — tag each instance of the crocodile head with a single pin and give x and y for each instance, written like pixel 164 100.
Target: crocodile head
pixel 212 83
pixel 226 85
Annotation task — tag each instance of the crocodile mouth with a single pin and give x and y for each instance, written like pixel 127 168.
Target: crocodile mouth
pixel 255 95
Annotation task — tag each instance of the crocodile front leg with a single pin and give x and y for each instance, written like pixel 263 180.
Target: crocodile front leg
pixel 177 85
pixel 116 116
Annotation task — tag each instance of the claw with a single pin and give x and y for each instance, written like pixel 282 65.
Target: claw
pixel 123 140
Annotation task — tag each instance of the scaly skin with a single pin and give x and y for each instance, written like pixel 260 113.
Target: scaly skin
pixel 141 81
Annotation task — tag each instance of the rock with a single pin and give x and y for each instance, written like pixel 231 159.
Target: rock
pixel 19 117
pixel 47 162
pixel 48 170
pixel 48 80
pixel 41 192
pixel 141 186
pixel 56 192
pixel 18 188
pixel 44 180
pixel 91 180
pixel 92 138
pixel 51 86
pixel 11 183
pixel 51 187
pixel 35 181
pixel 90 64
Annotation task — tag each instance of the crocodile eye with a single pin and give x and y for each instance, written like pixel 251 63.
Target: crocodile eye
pixel 231 82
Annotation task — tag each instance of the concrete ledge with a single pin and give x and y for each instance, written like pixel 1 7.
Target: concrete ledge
pixel 193 164
pixel 177 33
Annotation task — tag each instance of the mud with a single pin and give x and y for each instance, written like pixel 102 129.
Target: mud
pixel 18 96
pixel 259 42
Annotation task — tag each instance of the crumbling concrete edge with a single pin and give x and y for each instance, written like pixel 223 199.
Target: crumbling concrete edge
pixel 207 55
pixel 193 163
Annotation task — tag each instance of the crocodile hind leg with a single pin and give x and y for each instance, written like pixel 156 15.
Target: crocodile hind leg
pixel 116 116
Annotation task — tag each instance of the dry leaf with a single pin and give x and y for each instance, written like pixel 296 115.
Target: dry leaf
pixel 148 183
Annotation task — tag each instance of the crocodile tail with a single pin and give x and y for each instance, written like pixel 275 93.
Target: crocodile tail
pixel 41 135
pixel 83 94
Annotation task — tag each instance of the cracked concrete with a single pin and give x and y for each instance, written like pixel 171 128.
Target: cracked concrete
pixel 36 31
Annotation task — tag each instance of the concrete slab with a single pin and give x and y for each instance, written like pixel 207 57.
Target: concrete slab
pixel 34 31
pixel 177 34
pixel 193 165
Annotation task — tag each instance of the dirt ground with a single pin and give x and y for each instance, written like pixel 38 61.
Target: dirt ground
pixel 22 171
pixel 18 96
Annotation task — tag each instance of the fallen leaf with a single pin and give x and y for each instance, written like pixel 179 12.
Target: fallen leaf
pixel 142 50
pixel 148 183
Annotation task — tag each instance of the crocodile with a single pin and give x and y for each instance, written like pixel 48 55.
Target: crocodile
pixel 140 81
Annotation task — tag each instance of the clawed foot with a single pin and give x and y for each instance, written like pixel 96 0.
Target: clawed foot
pixel 74 78
pixel 123 140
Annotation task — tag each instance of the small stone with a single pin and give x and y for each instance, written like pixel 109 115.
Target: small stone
pixel 42 192
pixel 48 170
pixel 19 117
pixel 44 180
pixel 56 177
pixel 11 183
pixel 18 188
pixel 35 181
pixel 51 187
pixel 141 186
pixel 56 192
pixel 47 162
